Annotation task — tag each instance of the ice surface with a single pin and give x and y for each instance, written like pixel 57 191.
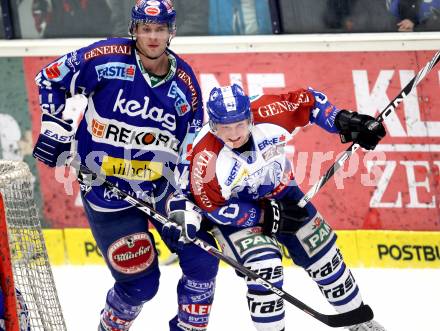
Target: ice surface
pixel 402 299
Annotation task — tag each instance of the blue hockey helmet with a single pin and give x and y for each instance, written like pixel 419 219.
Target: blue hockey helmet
pixel 228 104
pixel 153 11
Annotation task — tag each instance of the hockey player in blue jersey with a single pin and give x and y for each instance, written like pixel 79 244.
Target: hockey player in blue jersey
pixel 22 312
pixel 142 109
pixel 243 181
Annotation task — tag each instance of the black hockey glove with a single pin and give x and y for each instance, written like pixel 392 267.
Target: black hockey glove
pixel 361 129
pixel 283 216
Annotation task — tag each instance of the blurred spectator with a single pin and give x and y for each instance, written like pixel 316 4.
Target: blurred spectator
pixel 303 16
pixel 338 14
pixel 371 16
pixel 324 16
pixel 2 32
pixel 222 17
pixel 120 16
pixel 71 18
pixel 193 17
pixel 9 23
pixel 234 17
pixel 423 14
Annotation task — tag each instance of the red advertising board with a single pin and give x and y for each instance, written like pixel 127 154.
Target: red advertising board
pixel 395 188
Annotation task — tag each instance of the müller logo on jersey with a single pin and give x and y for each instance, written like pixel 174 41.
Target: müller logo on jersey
pixel 131 254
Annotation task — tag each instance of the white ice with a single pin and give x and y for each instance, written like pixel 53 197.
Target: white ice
pixel 402 299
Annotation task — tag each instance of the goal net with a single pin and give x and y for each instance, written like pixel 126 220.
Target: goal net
pixel 27 282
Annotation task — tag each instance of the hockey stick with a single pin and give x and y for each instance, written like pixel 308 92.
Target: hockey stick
pixel 356 316
pixel 380 118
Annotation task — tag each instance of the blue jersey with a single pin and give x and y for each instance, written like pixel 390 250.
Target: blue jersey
pixel 417 10
pixel 135 126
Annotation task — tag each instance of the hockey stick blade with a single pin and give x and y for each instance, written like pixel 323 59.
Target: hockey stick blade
pixel 381 117
pixel 356 316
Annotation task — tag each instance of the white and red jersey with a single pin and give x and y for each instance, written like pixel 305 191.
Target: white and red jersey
pixel 220 174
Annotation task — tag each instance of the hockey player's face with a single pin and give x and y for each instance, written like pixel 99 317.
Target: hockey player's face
pixel 235 134
pixel 152 38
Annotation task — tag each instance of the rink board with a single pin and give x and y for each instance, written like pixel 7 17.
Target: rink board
pixel 393 188
pixel 361 248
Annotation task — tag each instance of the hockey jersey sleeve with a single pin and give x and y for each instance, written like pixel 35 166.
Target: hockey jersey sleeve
pixel 74 73
pixel 236 213
pixel 295 109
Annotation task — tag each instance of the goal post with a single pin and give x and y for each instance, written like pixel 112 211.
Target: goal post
pixel 27 282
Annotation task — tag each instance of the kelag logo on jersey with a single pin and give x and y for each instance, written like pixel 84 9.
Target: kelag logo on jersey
pixel 133 108
pixel 116 70
pixel 180 104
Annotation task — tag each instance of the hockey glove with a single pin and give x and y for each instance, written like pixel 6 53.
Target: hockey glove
pixel 361 129
pixel 283 217
pixel 55 137
pixel 185 218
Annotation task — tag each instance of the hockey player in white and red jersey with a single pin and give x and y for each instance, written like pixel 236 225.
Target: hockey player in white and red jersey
pixel 143 108
pixel 243 182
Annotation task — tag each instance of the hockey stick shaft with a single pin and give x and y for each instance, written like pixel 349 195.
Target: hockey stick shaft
pixel 392 106
pixel 359 315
